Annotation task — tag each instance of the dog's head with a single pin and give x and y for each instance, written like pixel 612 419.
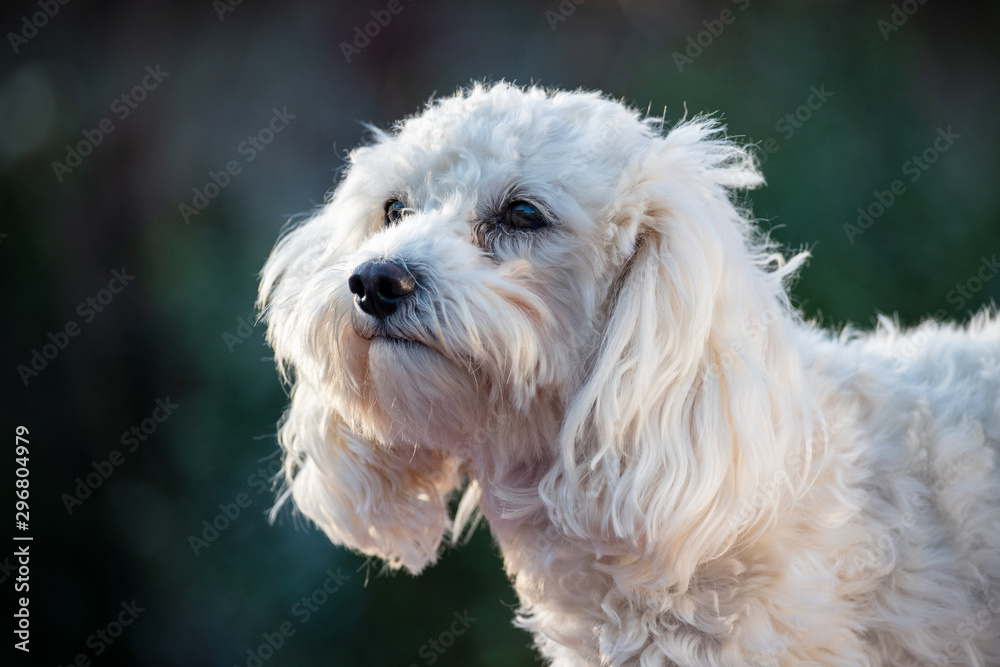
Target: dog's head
pixel 536 288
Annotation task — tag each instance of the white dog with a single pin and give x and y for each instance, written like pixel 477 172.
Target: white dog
pixel 552 303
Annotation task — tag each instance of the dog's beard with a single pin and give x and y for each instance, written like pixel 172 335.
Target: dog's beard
pixel 420 396
pixel 405 381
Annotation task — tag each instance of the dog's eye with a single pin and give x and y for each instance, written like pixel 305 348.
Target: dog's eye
pixel 394 210
pixel 522 215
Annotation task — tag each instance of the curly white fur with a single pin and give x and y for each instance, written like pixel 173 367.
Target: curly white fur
pixel 677 468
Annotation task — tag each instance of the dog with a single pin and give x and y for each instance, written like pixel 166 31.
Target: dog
pixel 561 312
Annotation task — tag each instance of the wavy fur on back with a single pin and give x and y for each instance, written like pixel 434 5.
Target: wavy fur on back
pixel 677 468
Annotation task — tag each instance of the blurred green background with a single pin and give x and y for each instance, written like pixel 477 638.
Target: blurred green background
pixel 841 96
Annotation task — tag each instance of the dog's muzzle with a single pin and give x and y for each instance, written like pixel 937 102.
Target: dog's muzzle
pixel 379 285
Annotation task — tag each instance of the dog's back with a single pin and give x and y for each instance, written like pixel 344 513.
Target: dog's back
pixel 918 413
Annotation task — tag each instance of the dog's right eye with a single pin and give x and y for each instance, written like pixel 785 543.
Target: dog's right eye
pixel 522 215
pixel 394 210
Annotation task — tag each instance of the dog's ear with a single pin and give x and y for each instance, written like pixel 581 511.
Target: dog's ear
pixel 694 399
pixel 389 502
pixel 383 502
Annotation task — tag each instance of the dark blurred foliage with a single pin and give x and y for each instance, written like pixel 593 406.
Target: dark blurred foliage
pixel 178 330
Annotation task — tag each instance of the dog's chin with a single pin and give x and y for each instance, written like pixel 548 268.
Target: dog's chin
pixel 421 394
pixel 384 351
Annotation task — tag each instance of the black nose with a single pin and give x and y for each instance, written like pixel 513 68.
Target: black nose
pixel 378 285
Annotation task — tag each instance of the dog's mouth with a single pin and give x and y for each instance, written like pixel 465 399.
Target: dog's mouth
pixel 395 340
pixel 388 351
pixel 390 336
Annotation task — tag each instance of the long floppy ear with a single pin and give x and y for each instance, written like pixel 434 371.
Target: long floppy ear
pixel 694 400
pixel 382 502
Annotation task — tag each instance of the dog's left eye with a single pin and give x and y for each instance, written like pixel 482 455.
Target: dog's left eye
pixel 394 210
pixel 522 215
